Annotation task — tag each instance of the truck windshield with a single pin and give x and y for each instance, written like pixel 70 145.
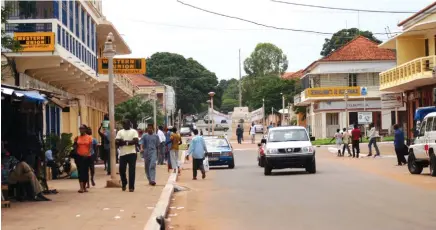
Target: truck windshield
pixel 283 135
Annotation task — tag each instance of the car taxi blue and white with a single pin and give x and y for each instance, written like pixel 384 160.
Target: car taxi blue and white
pixel 219 151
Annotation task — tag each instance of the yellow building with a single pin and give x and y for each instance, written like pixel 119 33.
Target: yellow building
pixel 62 41
pixel 416 59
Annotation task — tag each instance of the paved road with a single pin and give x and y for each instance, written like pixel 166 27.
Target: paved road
pixel 345 194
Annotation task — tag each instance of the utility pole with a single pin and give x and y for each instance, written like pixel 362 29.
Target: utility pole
pixel 154 98
pixel 240 80
pixel 109 53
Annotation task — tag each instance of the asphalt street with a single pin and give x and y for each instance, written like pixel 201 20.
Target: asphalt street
pixel 345 193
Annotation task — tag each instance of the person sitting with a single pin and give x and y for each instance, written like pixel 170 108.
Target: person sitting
pixel 51 163
pixel 20 173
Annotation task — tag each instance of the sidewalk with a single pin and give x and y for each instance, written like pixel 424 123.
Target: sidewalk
pixel 100 208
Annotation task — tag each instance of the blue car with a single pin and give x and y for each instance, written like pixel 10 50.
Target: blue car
pixel 219 151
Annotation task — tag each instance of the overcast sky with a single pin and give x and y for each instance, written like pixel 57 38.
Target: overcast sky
pixel 150 26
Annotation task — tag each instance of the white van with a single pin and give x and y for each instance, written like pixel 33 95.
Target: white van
pixel 422 151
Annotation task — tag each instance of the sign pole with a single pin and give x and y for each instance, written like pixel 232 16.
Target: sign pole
pixel 396 115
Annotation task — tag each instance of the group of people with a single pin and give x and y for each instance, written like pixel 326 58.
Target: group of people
pixel 252 132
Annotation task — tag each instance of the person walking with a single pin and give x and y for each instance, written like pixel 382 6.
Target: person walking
pixel 253 133
pixel 239 133
pixel 168 146
pixel 399 145
pixel 150 144
pixel 338 138
pixel 373 141
pixel 346 141
pixel 105 142
pixel 126 139
pixel 161 150
pixel 355 136
pixel 93 157
pixel 83 146
pixel 176 140
pixel 197 149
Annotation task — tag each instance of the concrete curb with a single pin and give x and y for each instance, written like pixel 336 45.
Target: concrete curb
pixel 333 145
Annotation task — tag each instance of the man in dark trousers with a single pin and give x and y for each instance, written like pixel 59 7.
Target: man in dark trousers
pixel 239 133
pixel 399 145
pixel 355 136
pixel 197 148
pixel 127 138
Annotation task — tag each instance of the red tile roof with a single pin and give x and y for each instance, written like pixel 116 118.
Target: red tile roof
pixel 293 75
pixel 360 49
pixel 416 14
pixel 141 80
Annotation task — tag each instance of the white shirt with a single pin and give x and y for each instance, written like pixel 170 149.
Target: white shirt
pixel 127 135
pixel 372 133
pixel 253 130
pixel 161 136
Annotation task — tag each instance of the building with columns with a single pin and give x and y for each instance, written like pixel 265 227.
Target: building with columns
pixel 62 41
pixel 353 70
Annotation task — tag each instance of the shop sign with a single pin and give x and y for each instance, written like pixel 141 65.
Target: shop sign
pixel 340 105
pixel 364 118
pixel 122 66
pixel 257 114
pixel 36 41
pixel 333 91
pixel 391 100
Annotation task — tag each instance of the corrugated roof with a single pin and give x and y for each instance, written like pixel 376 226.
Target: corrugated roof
pixel 141 80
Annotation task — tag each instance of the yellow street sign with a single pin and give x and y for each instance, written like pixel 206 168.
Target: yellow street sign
pixel 332 91
pixel 122 65
pixel 36 41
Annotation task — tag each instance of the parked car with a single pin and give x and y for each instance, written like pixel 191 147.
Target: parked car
pixel 219 151
pixel 258 128
pixel 185 132
pixel 422 151
pixel 289 147
pixel 220 127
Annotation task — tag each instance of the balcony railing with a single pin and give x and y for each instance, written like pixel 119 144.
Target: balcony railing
pixel 125 84
pixel 407 71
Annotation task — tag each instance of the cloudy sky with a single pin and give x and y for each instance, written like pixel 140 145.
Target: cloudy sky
pixel 150 26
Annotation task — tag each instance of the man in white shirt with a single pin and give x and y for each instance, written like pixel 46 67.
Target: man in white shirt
pixel 253 133
pixel 162 141
pixel 127 139
pixel 372 135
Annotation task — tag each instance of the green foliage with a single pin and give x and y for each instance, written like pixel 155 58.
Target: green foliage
pixel 135 109
pixel 342 37
pixel 61 145
pixel 266 60
pixel 191 81
pixel 300 110
pixel 228 105
pixel 269 88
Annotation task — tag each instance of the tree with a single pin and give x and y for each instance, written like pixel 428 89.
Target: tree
pixel 228 104
pixel 266 59
pixel 342 37
pixel 191 81
pixel 134 110
pixel 8 45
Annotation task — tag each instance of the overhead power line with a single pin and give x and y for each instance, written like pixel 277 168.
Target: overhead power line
pixel 280 28
pixel 351 9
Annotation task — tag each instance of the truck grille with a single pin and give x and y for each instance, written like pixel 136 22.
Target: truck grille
pixel 290 150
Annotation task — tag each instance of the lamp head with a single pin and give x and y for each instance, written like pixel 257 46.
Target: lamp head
pixel 110 37
pixel 211 94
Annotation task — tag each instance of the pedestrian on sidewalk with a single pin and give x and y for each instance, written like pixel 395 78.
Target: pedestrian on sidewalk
pixel 174 153
pixel 126 139
pixel 346 140
pixel 168 146
pixel 197 149
pixel 372 135
pixel 105 148
pixel 150 144
pixel 399 145
pixel 93 157
pixel 355 135
pixel 161 150
pixel 239 134
pixel 253 133
pixel 338 139
pixel 83 146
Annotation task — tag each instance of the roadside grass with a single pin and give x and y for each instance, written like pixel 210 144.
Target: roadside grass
pixel 328 141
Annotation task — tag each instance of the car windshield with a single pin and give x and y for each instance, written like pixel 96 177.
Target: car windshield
pixel 216 143
pixel 184 129
pixel 283 135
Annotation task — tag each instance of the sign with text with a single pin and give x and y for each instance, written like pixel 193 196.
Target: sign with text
pixel 364 117
pixel 391 100
pixel 333 91
pixel 122 66
pixel 257 114
pixel 36 41
pixel 340 105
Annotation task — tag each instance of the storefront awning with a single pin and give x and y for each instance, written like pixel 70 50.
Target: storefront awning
pixel 32 96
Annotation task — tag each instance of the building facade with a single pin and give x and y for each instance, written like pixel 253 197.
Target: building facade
pixel 344 83
pixel 413 74
pixel 61 43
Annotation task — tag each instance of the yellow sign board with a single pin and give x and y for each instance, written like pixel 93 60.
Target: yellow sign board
pixel 333 91
pixel 36 41
pixel 122 65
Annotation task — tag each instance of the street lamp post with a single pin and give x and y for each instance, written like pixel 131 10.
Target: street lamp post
pixel 283 108
pixel 109 53
pixel 211 94
pixel 154 97
pixel 263 111
pixel 346 107
pixel 209 117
